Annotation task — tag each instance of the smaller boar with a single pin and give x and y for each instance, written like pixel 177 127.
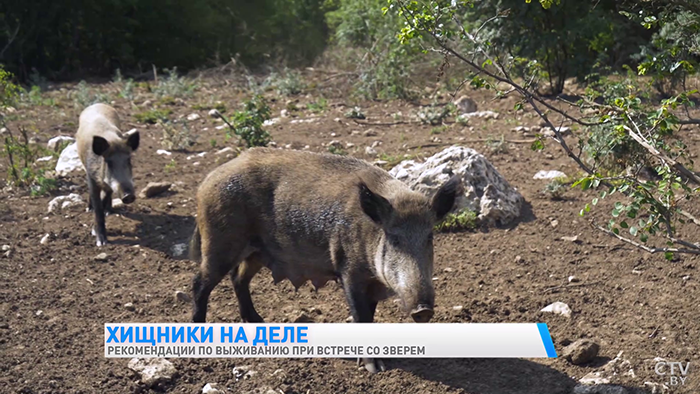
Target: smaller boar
pixel 317 217
pixel 106 156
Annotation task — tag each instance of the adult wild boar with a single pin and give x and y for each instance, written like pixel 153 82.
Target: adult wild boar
pixel 106 156
pixel 317 217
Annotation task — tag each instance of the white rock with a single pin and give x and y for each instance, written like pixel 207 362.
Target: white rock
pixel 486 192
pixel 163 152
pixel 573 279
pixel 5 248
pixel 69 160
pixel 55 142
pixel 553 174
pixel 284 113
pixel 43 159
pixel 559 308
pixel 214 113
pixel 481 114
pixel 270 122
pixel 117 203
pixel 193 116
pixel 615 367
pixel 153 370
pixel 224 150
pixel 336 144
pixel 465 105
pixel 179 249
pixel 63 202
pixel 212 388
pixel 369 151
pixel 520 129
pixel 44 239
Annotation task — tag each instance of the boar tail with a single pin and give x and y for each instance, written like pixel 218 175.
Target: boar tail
pixel 196 245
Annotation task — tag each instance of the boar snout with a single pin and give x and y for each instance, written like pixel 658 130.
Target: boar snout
pixel 128 198
pixel 422 314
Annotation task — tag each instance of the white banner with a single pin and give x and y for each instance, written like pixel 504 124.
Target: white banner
pixel 411 340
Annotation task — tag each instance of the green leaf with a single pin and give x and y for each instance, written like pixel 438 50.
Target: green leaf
pixel 644 237
pixel 595 201
pixel 616 231
pixel 615 212
pixel 633 231
pixel 624 224
pixel 669 256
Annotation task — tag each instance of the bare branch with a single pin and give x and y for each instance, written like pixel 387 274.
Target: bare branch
pixel 644 247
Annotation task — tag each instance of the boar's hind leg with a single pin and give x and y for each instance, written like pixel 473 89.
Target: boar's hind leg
pixel 218 258
pixel 100 231
pixel 241 278
pixel 362 308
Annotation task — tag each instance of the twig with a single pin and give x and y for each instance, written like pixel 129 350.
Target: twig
pixel 691 217
pixel 644 247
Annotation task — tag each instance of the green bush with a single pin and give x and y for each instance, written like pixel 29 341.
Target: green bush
pixel 247 124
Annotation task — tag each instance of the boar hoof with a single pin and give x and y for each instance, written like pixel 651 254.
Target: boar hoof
pixel 373 365
pixel 101 242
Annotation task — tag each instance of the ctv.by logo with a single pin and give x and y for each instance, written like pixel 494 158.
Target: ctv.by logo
pixel 675 371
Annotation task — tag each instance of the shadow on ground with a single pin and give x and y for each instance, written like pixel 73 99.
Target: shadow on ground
pixel 501 376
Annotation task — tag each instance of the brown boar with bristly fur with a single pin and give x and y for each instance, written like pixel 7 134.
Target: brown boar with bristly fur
pixel 317 217
pixel 106 156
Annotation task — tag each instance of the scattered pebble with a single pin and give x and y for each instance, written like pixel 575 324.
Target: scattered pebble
pixel 153 370
pixel 369 151
pixel 63 202
pixel 243 372
pixel 183 297
pixel 179 249
pixel 193 116
pixel 101 257
pixel 581 351
pixel 573 279
pixel 212 388
pixel 44 239
pixel 163 152
pixel 129 306
pixel 552 174
pixel 154 188
pixel 558 308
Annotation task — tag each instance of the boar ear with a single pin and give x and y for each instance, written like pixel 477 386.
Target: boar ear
pixel 444 199
pixel 99 145
pixel 373 205
pixel 132 139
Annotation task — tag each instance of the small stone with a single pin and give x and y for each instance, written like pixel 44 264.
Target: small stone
pixel 458 308
pixel 69 160
pixel 369 151
pixel 302 317
pixel 44 239
pixel 369 133
pixel 101 257
pixel 193 116
pixel 224 150
pixel 63 202
pixel 284 113
pixel 581 351
pixel 39 312
pixel 554 223
pixel 153 370
pixel 179 249
pixel 573 279
pixel 154 188
pixel 553 174
pixel 243 372
pixel 55 142
pixel 558 308
pixel 465 105
pixel 376 144
pixel 183 297
pixel 5 248
pixel 163 152
pixel 129 306
pixel 518 259
pixel 117 203
pixel 214 113
pixel 212 388
pixel 573 239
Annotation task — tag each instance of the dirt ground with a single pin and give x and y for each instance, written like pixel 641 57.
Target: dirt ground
pixel 56 297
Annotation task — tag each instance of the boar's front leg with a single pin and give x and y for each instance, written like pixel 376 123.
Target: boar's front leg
pixel 107 202
pixel 99 229
pixel 362 308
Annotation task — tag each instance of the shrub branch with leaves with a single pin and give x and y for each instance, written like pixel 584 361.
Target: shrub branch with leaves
pixel 621 135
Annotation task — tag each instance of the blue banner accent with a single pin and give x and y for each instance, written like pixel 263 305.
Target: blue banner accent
pixel 547 340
